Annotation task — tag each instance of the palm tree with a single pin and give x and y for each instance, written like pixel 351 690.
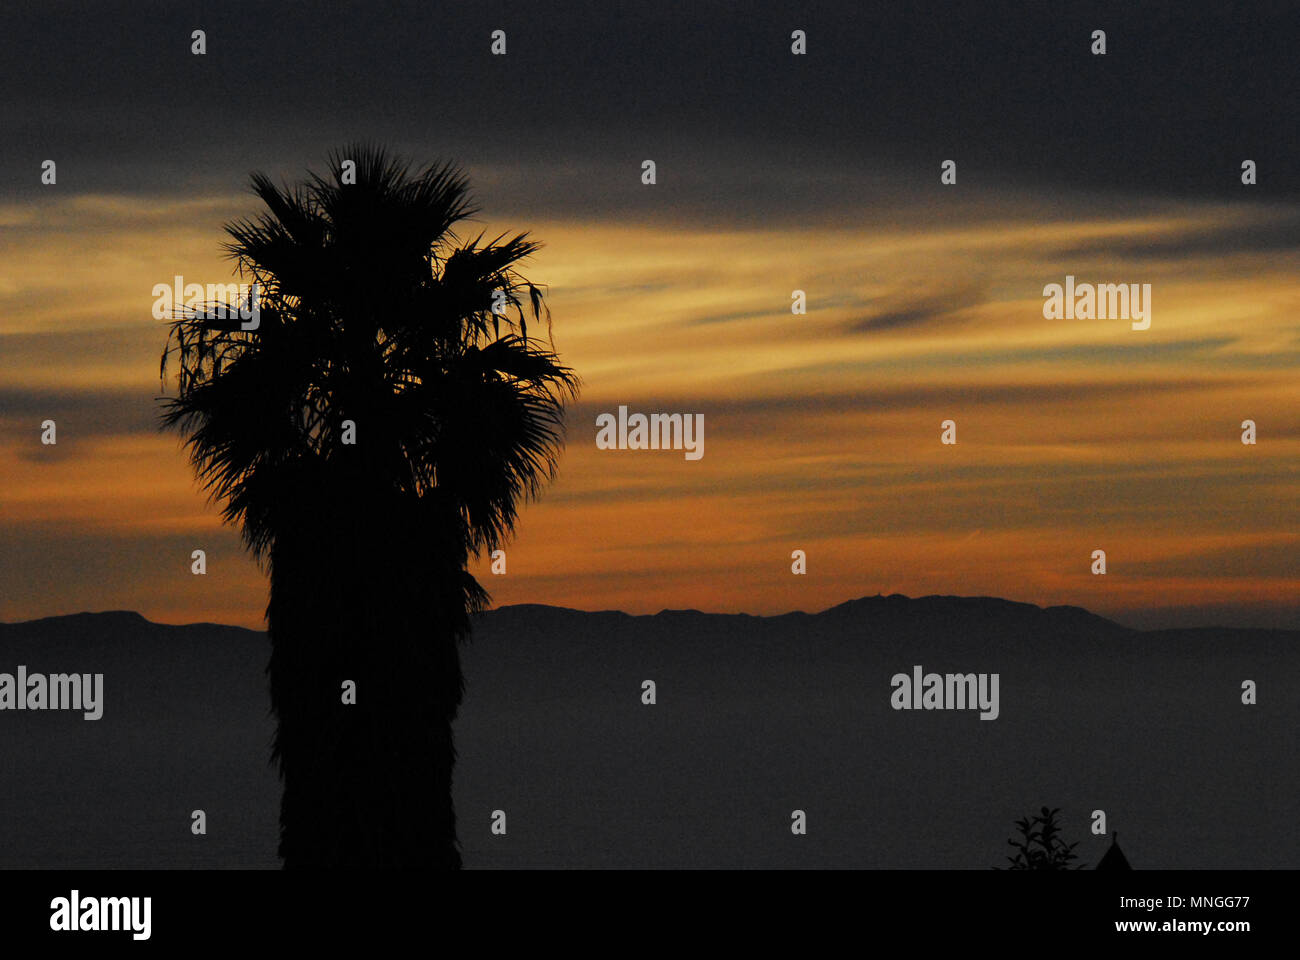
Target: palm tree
pixel 378 428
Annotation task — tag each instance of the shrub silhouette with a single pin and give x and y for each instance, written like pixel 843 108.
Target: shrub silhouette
pixel 1040 846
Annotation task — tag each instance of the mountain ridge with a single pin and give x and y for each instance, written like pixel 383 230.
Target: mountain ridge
pixel 752 717
pixel 882 609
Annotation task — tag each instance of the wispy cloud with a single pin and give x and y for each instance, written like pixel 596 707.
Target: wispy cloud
pixel 821 430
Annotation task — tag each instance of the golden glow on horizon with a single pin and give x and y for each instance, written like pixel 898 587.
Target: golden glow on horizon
pixel 821 431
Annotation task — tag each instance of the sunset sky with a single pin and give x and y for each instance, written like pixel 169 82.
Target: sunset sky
pixel 775 173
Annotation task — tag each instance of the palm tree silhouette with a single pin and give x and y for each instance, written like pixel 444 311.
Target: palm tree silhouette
pixel 378 325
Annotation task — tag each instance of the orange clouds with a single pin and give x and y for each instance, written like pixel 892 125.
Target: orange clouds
pixel 822 430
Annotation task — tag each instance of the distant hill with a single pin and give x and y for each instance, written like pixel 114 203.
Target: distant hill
pixel 755 717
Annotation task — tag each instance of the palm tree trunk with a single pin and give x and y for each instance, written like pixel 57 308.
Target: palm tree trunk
pixel 366 784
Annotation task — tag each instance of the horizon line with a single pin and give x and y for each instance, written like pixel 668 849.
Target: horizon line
pixel 708 613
